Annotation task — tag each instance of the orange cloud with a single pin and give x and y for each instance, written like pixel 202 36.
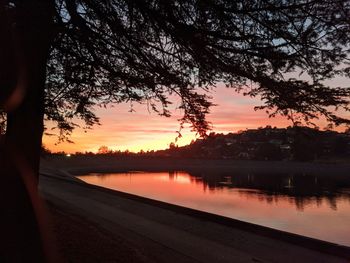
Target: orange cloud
pixel 121 130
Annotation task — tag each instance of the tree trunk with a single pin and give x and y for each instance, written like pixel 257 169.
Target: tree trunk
pixel 20 153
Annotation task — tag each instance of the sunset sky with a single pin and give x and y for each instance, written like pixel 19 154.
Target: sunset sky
pixel 122 130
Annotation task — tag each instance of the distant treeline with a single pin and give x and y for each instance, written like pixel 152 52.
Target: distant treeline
pixel 292 143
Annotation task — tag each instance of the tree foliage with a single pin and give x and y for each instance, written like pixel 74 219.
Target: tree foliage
pixel 117 51
pixel 60 58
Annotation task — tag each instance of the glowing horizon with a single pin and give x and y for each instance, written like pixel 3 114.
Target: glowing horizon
pixel 141 130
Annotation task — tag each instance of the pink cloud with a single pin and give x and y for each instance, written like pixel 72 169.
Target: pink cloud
pixel 123 130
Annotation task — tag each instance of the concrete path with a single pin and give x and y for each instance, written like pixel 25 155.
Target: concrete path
pixel 168 235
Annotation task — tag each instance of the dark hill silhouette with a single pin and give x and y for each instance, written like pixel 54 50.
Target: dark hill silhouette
pixel 298 143
pixel 292 143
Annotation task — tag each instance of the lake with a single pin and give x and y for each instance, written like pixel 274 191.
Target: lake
pixel 309 205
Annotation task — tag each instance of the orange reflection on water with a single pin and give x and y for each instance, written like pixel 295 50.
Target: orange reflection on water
pixel 319 217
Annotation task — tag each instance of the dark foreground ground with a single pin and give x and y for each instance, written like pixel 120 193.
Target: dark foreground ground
pixel 79 240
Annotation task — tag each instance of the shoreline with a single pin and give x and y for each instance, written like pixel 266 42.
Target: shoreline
pixel 299 240
pixel 326 248
pixel 107 164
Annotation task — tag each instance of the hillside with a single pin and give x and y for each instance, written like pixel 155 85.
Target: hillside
pixel 292 143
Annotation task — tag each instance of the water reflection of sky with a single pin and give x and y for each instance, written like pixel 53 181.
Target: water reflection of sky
pixel 315 206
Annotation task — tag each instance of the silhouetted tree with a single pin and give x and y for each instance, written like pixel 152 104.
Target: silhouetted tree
pixel 172 146
pixel 59 58
pixel 305 146
pixel 104 150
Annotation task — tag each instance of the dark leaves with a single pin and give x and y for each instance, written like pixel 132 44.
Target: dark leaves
pixel 142 51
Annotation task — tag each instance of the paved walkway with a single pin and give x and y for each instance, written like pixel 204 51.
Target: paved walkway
pixel 168 235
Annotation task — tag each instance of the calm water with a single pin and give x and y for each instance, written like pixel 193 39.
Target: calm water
pixel 313 206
